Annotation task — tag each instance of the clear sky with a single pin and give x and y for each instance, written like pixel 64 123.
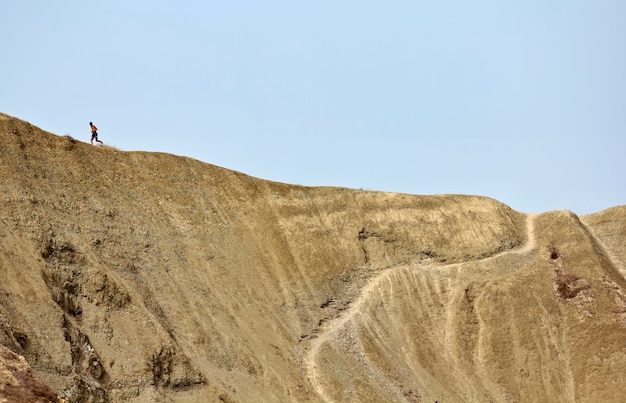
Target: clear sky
pixel 522 101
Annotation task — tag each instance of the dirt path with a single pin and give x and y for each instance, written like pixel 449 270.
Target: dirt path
pixel 310 358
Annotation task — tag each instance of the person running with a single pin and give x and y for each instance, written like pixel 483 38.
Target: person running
pixel 94 133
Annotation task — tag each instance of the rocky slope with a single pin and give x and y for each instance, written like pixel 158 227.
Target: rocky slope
pixel 130 276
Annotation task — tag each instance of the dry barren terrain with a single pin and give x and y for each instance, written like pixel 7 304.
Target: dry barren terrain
pixel 132 276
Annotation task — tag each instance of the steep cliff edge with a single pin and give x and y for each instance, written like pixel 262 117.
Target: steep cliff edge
pixel 135 276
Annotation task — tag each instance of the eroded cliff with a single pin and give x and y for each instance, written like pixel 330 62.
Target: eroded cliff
pixel 130 276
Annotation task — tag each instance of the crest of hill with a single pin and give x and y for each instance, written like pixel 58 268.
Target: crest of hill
pixel 131 276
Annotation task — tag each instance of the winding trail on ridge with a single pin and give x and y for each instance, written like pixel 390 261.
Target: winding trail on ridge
pixel 340 321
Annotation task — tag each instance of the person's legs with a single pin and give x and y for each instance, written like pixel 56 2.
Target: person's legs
pixel 94 135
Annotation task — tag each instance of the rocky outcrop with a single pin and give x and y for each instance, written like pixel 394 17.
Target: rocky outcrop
pixel 17 382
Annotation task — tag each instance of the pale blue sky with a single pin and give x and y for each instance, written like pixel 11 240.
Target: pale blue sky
pixel 521 101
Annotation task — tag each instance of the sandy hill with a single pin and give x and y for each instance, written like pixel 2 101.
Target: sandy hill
pixel 131 276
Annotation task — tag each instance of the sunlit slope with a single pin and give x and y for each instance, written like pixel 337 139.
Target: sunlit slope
pixel 539 324
pixel 129 275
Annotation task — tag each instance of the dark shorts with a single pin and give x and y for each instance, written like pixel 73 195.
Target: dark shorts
pixel 94 135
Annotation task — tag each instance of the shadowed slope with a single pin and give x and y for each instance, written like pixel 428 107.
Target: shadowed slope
pixel 150 276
